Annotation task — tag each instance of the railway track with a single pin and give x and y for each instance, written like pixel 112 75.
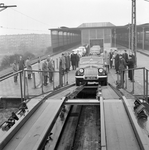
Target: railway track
pixel 85 120
pixel 85 123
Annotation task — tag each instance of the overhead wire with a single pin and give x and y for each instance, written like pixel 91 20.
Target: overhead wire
pixel 9 28
pixel 30 17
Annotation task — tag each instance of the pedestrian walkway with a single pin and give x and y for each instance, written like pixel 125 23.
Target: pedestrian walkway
pixel 144 52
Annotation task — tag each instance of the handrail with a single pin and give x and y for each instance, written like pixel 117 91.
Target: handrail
pixel 11 75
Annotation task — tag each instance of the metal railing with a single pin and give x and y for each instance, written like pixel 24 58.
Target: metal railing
pixel 138 84
pixel 26 88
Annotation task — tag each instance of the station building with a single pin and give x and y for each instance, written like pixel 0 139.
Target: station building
pixel 104 34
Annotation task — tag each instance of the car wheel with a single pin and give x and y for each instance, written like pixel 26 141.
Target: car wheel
pixel 77 83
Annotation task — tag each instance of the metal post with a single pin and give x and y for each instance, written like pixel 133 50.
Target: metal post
pixel 144 92
pixel 125 80
pixel 133 81
pixel 57 63
pixel 27 87
pixel 143 40
pixel 64 78
pixel 133 36
pixel 42 82
pixel 129 38
pixel 24 76
pixel 34 81
pixel 115 36
pixel 146 86
pixel 67 78
pixel 53 80
pixel 21 86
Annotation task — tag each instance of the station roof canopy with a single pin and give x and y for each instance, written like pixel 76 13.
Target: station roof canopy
pixel 96 24
pixel 99 25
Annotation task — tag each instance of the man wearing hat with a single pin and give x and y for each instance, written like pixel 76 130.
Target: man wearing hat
pixel 122 66
pixel 131 66
pixel 125 55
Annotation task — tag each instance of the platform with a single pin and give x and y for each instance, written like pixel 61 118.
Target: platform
pixel 119 132
pixel 33 131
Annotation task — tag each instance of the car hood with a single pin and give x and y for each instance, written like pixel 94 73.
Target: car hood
pixel 90 66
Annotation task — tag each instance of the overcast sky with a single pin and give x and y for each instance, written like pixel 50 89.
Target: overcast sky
pixel 37 16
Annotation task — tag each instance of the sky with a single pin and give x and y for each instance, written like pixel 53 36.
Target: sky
pixel 37 16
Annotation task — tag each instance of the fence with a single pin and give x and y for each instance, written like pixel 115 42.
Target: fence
pixel 26 88
pixel 138 86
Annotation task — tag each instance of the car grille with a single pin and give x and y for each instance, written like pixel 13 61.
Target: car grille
pixel 91 72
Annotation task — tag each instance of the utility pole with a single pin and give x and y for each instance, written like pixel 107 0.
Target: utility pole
pixel 3 7
pixel 134 30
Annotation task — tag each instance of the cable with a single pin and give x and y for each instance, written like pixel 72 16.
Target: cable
pixel 30 17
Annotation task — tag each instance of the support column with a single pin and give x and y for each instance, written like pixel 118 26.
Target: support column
pixel 58 38
pixel 143 39
pixel 63 38
pixel 134 29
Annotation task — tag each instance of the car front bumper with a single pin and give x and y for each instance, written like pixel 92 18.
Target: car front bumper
pixel 91 78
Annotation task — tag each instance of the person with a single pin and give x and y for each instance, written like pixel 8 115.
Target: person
pixel 77 55
pixel 22 109
pixel 116 62
pixel 67 58
pixel 39 73
pixel 69 61
pixel 45 73
pixel 130 64
pixel 110 58
pixel 73 60
pixel 61 73
pixel 15 69
pixel 21 64
pixel 63 61
pixel 50 68
pixel 106 60
pixel 122 66
pixel 125 55
pixel 29 67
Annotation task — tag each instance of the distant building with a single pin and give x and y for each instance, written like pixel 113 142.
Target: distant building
pixel 21 42
pixel 98 33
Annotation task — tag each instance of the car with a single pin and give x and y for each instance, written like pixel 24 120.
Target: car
pixel 91 70
pixel 81 51
pixel 95 50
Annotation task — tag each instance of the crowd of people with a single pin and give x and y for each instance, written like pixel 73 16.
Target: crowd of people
pixel 120 61
pixel 70 61
pixel 46 68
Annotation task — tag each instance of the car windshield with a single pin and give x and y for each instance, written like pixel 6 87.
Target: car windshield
pixel 91 60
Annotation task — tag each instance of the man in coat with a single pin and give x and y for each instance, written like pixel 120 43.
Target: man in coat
pixel 106 60
pixel 73 60
pixel 130 64
pixel 45 73
pixel 116 62
pixel 111 58
pixel 50 68
pixel 29 67
pixel 122 66
pixel 125 56
pixel 15 69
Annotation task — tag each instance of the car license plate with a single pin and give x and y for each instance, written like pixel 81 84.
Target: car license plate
pixel 91 78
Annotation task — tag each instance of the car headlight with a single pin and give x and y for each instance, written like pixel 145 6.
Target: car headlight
pixel 81 70
pixel 100 70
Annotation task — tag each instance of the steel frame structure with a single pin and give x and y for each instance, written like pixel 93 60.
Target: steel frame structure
pixel 134 30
